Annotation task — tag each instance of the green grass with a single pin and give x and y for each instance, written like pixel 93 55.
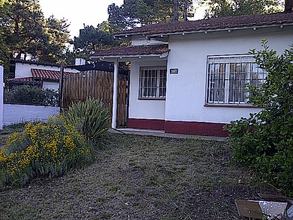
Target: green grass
pixel 138 177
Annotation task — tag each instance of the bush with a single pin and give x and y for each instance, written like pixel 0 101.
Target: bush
pixel 42 150
pixel 31 95
pixel 91 118
pixel 264 141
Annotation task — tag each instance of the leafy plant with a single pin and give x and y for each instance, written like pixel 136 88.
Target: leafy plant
pixel 42 150
pixel 91 118
pixel 31 95
pixel 264 141
pixel 221 8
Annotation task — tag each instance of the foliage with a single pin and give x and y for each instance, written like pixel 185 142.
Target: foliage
pixel 265 140
pixel 42 150
pixel 54 45
pixel 141 12
pixel 93 38
pixel 31 95
pixel 91 118
pixel 25 32
pixel 9 129
pixel 2 2
pixel 220 8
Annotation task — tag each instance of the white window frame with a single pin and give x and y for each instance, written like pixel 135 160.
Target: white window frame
pixel 158 87
pixel 228 60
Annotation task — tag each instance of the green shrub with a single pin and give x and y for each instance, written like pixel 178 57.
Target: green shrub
pixel 31 95
pixel 264 141
pixel 42 150
pixel 91 118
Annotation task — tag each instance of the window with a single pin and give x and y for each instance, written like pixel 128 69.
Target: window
pixel 228 77
pixel 152 83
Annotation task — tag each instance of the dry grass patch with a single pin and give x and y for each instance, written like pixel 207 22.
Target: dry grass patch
pixel 138 177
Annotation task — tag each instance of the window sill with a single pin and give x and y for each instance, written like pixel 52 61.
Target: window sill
pixel 231 105
pixel 152 99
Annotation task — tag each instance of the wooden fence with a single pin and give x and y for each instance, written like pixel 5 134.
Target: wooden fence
pixel 98 85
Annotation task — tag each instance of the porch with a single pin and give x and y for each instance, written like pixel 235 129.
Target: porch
pixel 147 84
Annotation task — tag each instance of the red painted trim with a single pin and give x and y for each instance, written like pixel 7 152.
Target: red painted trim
pixel 196 128
pixel 180 127
pixel 153 124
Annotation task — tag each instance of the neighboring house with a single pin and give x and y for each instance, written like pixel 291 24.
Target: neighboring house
pixel 99 66
pixel 45 75
pixel 190 77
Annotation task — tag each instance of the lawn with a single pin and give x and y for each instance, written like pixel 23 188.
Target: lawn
pixel 137 177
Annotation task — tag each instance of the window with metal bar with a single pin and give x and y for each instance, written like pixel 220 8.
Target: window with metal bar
pixel 152 83
pixel 229 77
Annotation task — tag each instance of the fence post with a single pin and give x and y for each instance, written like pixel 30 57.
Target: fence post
pixel 61 82
pixel 1 96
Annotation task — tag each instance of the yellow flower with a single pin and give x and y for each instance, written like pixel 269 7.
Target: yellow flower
pixel 52 148
pixel 12 138
pixel 69 143
pixel 3 157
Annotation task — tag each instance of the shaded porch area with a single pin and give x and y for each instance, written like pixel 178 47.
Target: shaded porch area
pixel 147 81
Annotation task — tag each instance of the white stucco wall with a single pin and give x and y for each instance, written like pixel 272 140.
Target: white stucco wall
pixel 14 114
pixel 144 109
pixel 186 91
pixel 51 85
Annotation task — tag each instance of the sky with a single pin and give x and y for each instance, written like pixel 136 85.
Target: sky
pixel 89 12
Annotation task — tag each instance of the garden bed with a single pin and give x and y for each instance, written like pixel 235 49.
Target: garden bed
pixel 138 177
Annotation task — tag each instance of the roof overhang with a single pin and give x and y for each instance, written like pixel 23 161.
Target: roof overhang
pixel 133 52
pixel 206 31
pixel 164 55
pixel 244 22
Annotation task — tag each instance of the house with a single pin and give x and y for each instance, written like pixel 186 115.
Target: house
pixel 45 75
pixel 190 77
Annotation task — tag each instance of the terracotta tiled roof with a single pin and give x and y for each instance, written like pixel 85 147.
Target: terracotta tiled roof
pixel 133 51
pixel 212 24
pixel 47 74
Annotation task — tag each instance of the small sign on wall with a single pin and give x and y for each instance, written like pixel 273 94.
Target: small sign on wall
pixel 174 71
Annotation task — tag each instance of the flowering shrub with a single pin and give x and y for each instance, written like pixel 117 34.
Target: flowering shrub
pixel 42 150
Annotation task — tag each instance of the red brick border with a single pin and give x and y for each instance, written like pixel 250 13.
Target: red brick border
pixel 196 128
pixel 153 124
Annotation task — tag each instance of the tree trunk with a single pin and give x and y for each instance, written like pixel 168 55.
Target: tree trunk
pixel 288 6
pixel 185 13
pixel 175 10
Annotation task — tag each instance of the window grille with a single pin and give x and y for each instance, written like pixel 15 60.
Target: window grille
pixel 152 83
pixel 229 77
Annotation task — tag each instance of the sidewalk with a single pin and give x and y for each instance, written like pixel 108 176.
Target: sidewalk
pixel 165 135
